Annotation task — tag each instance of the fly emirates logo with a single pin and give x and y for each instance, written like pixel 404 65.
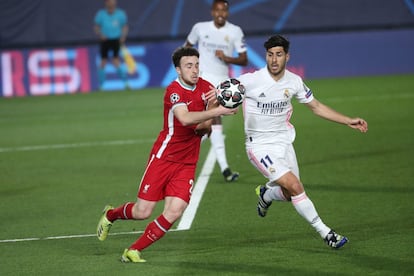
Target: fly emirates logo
pixel 274 107
pixel 214 46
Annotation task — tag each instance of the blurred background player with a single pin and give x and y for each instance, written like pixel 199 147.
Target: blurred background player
pixel 270 136
pixel 112 29
pixel 170 171
pixel 217 40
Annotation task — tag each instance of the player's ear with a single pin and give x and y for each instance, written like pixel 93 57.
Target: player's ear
pixel 178 70
pixel 287 57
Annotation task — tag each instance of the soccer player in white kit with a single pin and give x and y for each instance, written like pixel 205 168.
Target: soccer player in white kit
pixel 217 40
pixel 267 110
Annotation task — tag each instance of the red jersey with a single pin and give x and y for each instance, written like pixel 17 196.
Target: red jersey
pixel 178 143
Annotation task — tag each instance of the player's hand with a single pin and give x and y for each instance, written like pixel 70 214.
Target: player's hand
pixel 358 123
pixel 211 97
pixel 220 54
pixel 227 111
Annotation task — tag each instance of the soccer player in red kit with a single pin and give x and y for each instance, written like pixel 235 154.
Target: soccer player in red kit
pixel 189 106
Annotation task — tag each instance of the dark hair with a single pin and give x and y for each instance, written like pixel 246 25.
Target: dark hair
pixel 225 2
pixel 275 41
pixel 183 52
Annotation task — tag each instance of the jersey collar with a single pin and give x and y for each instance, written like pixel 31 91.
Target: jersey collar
pixel 186 86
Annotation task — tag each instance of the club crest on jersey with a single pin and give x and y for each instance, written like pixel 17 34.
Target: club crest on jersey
pixel 146 188
pixel 227 39
pixel 287 94
pixel 174 98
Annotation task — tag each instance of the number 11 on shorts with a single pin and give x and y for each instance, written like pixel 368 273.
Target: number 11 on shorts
pixel 266 161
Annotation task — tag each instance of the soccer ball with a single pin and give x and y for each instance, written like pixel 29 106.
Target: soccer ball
pixel 231 93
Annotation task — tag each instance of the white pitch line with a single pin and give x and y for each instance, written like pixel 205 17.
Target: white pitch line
pixel 186 219
pixel 73 236
pixel 74 145
pixel 202 181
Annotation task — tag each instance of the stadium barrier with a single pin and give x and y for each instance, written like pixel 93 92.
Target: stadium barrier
pixel 34 72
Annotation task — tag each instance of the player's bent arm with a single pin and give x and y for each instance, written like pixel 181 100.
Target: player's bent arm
pixel 328 113
pixel 97 30
pixel 124 34
pixel 241 59
pixel 188 118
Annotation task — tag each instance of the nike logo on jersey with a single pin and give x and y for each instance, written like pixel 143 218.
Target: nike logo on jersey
pixel 262 95
pixel 188 103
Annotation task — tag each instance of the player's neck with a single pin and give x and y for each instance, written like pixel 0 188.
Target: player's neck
pixel 278 76
pixel 219 26
pixel 186 85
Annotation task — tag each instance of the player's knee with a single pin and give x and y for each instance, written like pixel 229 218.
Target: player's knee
pixel 103 63
pixel 173 215
pixel 216 121
pixel 296 188
pixel 291 185
pixel 141 212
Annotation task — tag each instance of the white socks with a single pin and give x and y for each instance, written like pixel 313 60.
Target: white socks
pixel 306 209
pixel 217 142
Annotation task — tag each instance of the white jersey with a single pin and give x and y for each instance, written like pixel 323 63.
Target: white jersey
pixel 267 107
pixel 209 38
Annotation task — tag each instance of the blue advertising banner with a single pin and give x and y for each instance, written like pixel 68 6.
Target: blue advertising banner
pixel 74 70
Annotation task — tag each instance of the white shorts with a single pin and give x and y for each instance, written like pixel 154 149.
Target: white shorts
pixel 273 160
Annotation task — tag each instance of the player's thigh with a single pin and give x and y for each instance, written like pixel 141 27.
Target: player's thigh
pixel 181 183
pixel 292 160
pixel 270 160
pixel 115 46
pixel 156 176
pixel 104 47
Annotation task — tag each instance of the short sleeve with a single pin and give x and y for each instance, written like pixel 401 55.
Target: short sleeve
pixel 98 18
pixel 239 42
pixel 193 35
pixel 124 18
pixel 304 94
pixel 174 97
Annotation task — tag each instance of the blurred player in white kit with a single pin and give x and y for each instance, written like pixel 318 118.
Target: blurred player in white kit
pixel 217 40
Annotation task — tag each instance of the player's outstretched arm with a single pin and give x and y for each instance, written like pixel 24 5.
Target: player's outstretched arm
pixel 358 123
pixel 188 118
pixel 328 113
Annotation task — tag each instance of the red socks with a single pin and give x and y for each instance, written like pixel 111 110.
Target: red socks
pixel 122 212
pixel 154 231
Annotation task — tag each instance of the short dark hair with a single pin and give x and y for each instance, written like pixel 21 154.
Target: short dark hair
pixel 183 52
pixel 225 2
pixel 275 41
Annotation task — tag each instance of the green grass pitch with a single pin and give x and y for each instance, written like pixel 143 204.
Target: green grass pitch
pixel 361 184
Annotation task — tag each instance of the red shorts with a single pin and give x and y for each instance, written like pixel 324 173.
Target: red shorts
pixel 164 178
